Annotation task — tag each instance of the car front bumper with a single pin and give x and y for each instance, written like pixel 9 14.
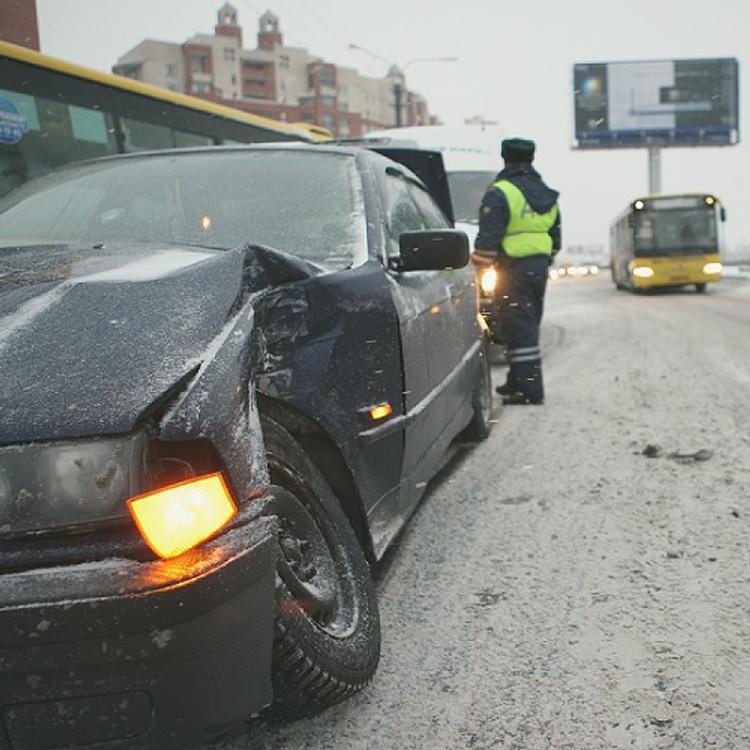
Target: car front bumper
pixel 124 654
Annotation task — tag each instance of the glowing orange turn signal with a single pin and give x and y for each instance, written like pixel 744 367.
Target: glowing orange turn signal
pixel 177 518
pixel 381 411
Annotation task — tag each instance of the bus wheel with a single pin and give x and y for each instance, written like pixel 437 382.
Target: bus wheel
pixel 700 287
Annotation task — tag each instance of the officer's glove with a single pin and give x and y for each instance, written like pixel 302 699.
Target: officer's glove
pixel 479 259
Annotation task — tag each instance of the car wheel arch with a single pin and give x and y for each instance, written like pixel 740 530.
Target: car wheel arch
pixel 329 460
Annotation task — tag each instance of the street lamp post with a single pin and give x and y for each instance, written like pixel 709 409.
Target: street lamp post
pixel 399 88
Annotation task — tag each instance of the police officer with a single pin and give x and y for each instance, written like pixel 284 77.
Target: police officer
pixel 519 231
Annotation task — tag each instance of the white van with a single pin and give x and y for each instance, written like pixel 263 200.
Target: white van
pixel 471 155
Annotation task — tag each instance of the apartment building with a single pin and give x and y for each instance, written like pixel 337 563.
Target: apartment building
pixel 18 23
pixel 275 80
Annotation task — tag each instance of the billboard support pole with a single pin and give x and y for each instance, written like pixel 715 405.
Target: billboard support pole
pixel 654 170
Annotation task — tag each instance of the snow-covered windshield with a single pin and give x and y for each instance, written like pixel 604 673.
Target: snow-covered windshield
pixel 306 204
pixel 467 189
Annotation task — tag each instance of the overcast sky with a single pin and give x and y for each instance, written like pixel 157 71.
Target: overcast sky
pixel 515 67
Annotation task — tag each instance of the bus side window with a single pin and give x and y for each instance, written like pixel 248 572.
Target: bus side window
pixel 183 139
pixel 145 136
pixel 57 134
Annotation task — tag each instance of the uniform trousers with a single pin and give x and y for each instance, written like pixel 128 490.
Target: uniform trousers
pixel 522 284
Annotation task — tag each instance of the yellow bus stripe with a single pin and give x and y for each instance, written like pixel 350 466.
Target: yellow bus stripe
pixel 31 57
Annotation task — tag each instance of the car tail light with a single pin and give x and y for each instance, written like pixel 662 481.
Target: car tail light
pixel 175 519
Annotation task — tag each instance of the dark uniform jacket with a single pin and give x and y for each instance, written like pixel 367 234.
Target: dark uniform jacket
pixel 494 214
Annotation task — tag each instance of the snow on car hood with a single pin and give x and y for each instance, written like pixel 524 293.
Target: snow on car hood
pixel 91 338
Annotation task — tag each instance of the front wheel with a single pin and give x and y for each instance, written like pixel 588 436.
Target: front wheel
pixel 481 399
pixel 327 639
pixel 700 287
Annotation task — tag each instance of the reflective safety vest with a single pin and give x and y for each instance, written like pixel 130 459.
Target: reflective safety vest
pixel 527 232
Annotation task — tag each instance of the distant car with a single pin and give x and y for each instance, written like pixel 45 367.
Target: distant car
pixel 226 376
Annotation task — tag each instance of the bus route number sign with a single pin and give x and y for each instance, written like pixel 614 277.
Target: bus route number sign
pixel 13 124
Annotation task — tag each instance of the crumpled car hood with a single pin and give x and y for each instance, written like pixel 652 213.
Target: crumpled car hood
pixel 90 338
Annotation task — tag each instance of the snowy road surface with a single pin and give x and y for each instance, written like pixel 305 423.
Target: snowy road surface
pixel 560 587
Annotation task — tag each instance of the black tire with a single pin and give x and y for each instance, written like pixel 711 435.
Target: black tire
pixel 700 287
pixel 327 628
pixel 481 400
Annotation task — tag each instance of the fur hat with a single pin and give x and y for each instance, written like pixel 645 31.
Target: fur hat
pixel 517 149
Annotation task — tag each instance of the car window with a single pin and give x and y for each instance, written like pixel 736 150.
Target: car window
pixel 306 204
pixel 402 212
pixel 432 216
pixel 467 190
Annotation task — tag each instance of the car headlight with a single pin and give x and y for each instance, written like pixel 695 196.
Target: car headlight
pixel 65 484
pixel 712 268
pixel 643 272
pixel 488 281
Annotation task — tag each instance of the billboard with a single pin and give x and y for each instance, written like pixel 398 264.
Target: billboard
pixel 665 103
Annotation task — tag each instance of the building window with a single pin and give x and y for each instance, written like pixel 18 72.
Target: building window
pixel 327 77
pixel 200 87
pixel 284 61
pixel 229 54
pixel 328 121
pixel 254 81
pixel 171 70
pixel 252 65
pixel 198 63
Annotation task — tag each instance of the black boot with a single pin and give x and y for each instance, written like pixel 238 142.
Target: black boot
pixel 507 388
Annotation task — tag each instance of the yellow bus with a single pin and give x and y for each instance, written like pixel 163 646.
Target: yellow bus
pixel 54 112
pixel 667 240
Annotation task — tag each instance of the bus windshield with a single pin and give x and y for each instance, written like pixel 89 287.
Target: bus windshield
pixel 467 190
pixel 687 231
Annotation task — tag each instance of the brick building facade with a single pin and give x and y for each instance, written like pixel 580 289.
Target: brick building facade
pixel 18 23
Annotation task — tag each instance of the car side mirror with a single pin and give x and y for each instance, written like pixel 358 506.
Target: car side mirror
pixel 431 250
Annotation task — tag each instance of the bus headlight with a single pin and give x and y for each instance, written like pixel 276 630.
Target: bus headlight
pixel 643 272
pixel 488 281
pixel 712 268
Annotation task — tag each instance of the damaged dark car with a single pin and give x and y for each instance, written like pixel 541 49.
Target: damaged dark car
pixel 226 377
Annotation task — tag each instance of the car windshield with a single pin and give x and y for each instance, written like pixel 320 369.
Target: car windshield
pixel 306 204
pixel 675 232
pixel 467 189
